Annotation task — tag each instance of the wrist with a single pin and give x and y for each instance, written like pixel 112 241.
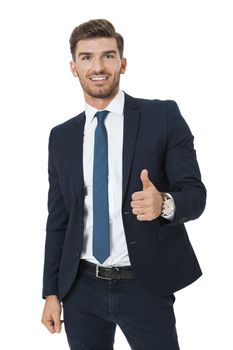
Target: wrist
pixel 161 203
pixel 51 297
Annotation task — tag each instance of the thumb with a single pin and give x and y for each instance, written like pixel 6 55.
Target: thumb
pixel 145 179
pixel 57 324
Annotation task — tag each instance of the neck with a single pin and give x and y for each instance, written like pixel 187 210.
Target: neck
pixel 99 103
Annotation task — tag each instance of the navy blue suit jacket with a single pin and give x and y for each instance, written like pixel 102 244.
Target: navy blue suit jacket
pixel 157 138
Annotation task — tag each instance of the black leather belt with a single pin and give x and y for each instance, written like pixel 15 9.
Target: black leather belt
pixel 107 273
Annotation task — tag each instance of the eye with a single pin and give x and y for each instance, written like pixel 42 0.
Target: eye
pixel 85 58
pixel 109 55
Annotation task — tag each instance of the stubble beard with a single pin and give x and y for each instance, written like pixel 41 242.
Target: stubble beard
pixel 101 91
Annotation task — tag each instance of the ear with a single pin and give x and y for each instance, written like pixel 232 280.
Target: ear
pixel 73 69
pixel 123 65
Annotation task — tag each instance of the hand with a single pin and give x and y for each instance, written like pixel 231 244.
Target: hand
pixel 147 204
pixel 51 314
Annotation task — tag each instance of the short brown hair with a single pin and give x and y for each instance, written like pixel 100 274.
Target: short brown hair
pixel 96 28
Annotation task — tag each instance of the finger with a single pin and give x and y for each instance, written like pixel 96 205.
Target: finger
pixel 143 203
pixel 138 195
pixel 146 183
pixel 136 204
pixel 53 323
pixel 145 179
pixel 49 324
pixel 142 217
pixel 57 327
pixel 138 211
pixel 145 217
pixel 57 323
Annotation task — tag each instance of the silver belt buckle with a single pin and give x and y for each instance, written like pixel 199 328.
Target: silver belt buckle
pixel 97 274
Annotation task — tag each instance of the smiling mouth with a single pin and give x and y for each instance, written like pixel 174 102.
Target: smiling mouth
pixel 98 78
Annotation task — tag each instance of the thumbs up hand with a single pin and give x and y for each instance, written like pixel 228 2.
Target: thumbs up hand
pixel 147 204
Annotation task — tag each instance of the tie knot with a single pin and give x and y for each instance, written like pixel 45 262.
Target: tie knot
pixel 101 115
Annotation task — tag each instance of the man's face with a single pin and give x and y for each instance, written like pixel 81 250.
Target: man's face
pixel 98 66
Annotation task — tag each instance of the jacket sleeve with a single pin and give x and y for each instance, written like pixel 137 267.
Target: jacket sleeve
pixel 182 169
pixel 56 226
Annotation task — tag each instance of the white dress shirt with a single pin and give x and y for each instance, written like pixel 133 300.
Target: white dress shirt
pixel 114 125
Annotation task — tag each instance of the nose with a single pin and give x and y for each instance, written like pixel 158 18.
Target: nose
pixel 98 65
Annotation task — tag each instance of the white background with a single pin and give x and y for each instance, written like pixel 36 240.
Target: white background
pixel 179 50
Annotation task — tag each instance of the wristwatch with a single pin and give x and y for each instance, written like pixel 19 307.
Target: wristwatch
pixel 168 206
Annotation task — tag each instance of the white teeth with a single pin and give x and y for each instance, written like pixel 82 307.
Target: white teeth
pixel 98 78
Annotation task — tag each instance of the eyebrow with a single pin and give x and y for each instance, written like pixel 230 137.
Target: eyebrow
pixel 90 53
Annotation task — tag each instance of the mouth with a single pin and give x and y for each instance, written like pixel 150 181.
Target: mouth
pixel 99 78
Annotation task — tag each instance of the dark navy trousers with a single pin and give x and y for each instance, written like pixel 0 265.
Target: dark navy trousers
pixel 93 307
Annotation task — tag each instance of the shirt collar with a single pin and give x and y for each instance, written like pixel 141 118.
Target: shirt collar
pixel 116 106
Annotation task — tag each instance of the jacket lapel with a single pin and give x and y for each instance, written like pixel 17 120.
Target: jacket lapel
pixel 131 123
pixel 78 157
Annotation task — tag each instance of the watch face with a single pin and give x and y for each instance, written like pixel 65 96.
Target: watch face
pixel 168 207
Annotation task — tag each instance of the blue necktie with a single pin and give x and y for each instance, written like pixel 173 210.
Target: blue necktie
pixel 101 244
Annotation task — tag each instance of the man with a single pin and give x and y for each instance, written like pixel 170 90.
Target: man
pixel 123 181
